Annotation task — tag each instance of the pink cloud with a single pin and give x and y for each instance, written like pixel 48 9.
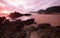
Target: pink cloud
pixel 27 5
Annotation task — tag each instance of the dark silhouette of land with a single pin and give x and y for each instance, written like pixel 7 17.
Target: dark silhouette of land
pixel 54 9
pixel 49 10
pixel 15 15
pixel 27 14
pixel 41 11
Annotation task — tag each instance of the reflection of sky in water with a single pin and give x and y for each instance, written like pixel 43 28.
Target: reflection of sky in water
pixel 23 18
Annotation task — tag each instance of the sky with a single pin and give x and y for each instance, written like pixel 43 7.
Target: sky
pixel 26 5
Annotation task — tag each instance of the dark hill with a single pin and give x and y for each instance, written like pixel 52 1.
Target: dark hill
pixel 54 9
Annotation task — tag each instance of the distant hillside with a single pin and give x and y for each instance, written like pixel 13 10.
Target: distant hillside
pixel 41 11
pixel 54 9
pixel 49 10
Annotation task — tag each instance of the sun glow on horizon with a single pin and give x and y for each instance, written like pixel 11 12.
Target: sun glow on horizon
pixel 5 12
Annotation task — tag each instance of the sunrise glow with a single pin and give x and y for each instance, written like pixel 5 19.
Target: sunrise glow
pixel 5 12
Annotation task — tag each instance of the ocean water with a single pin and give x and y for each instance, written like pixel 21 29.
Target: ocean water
pixel 53 19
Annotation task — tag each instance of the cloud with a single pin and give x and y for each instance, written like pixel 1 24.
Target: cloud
pixel 28 5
